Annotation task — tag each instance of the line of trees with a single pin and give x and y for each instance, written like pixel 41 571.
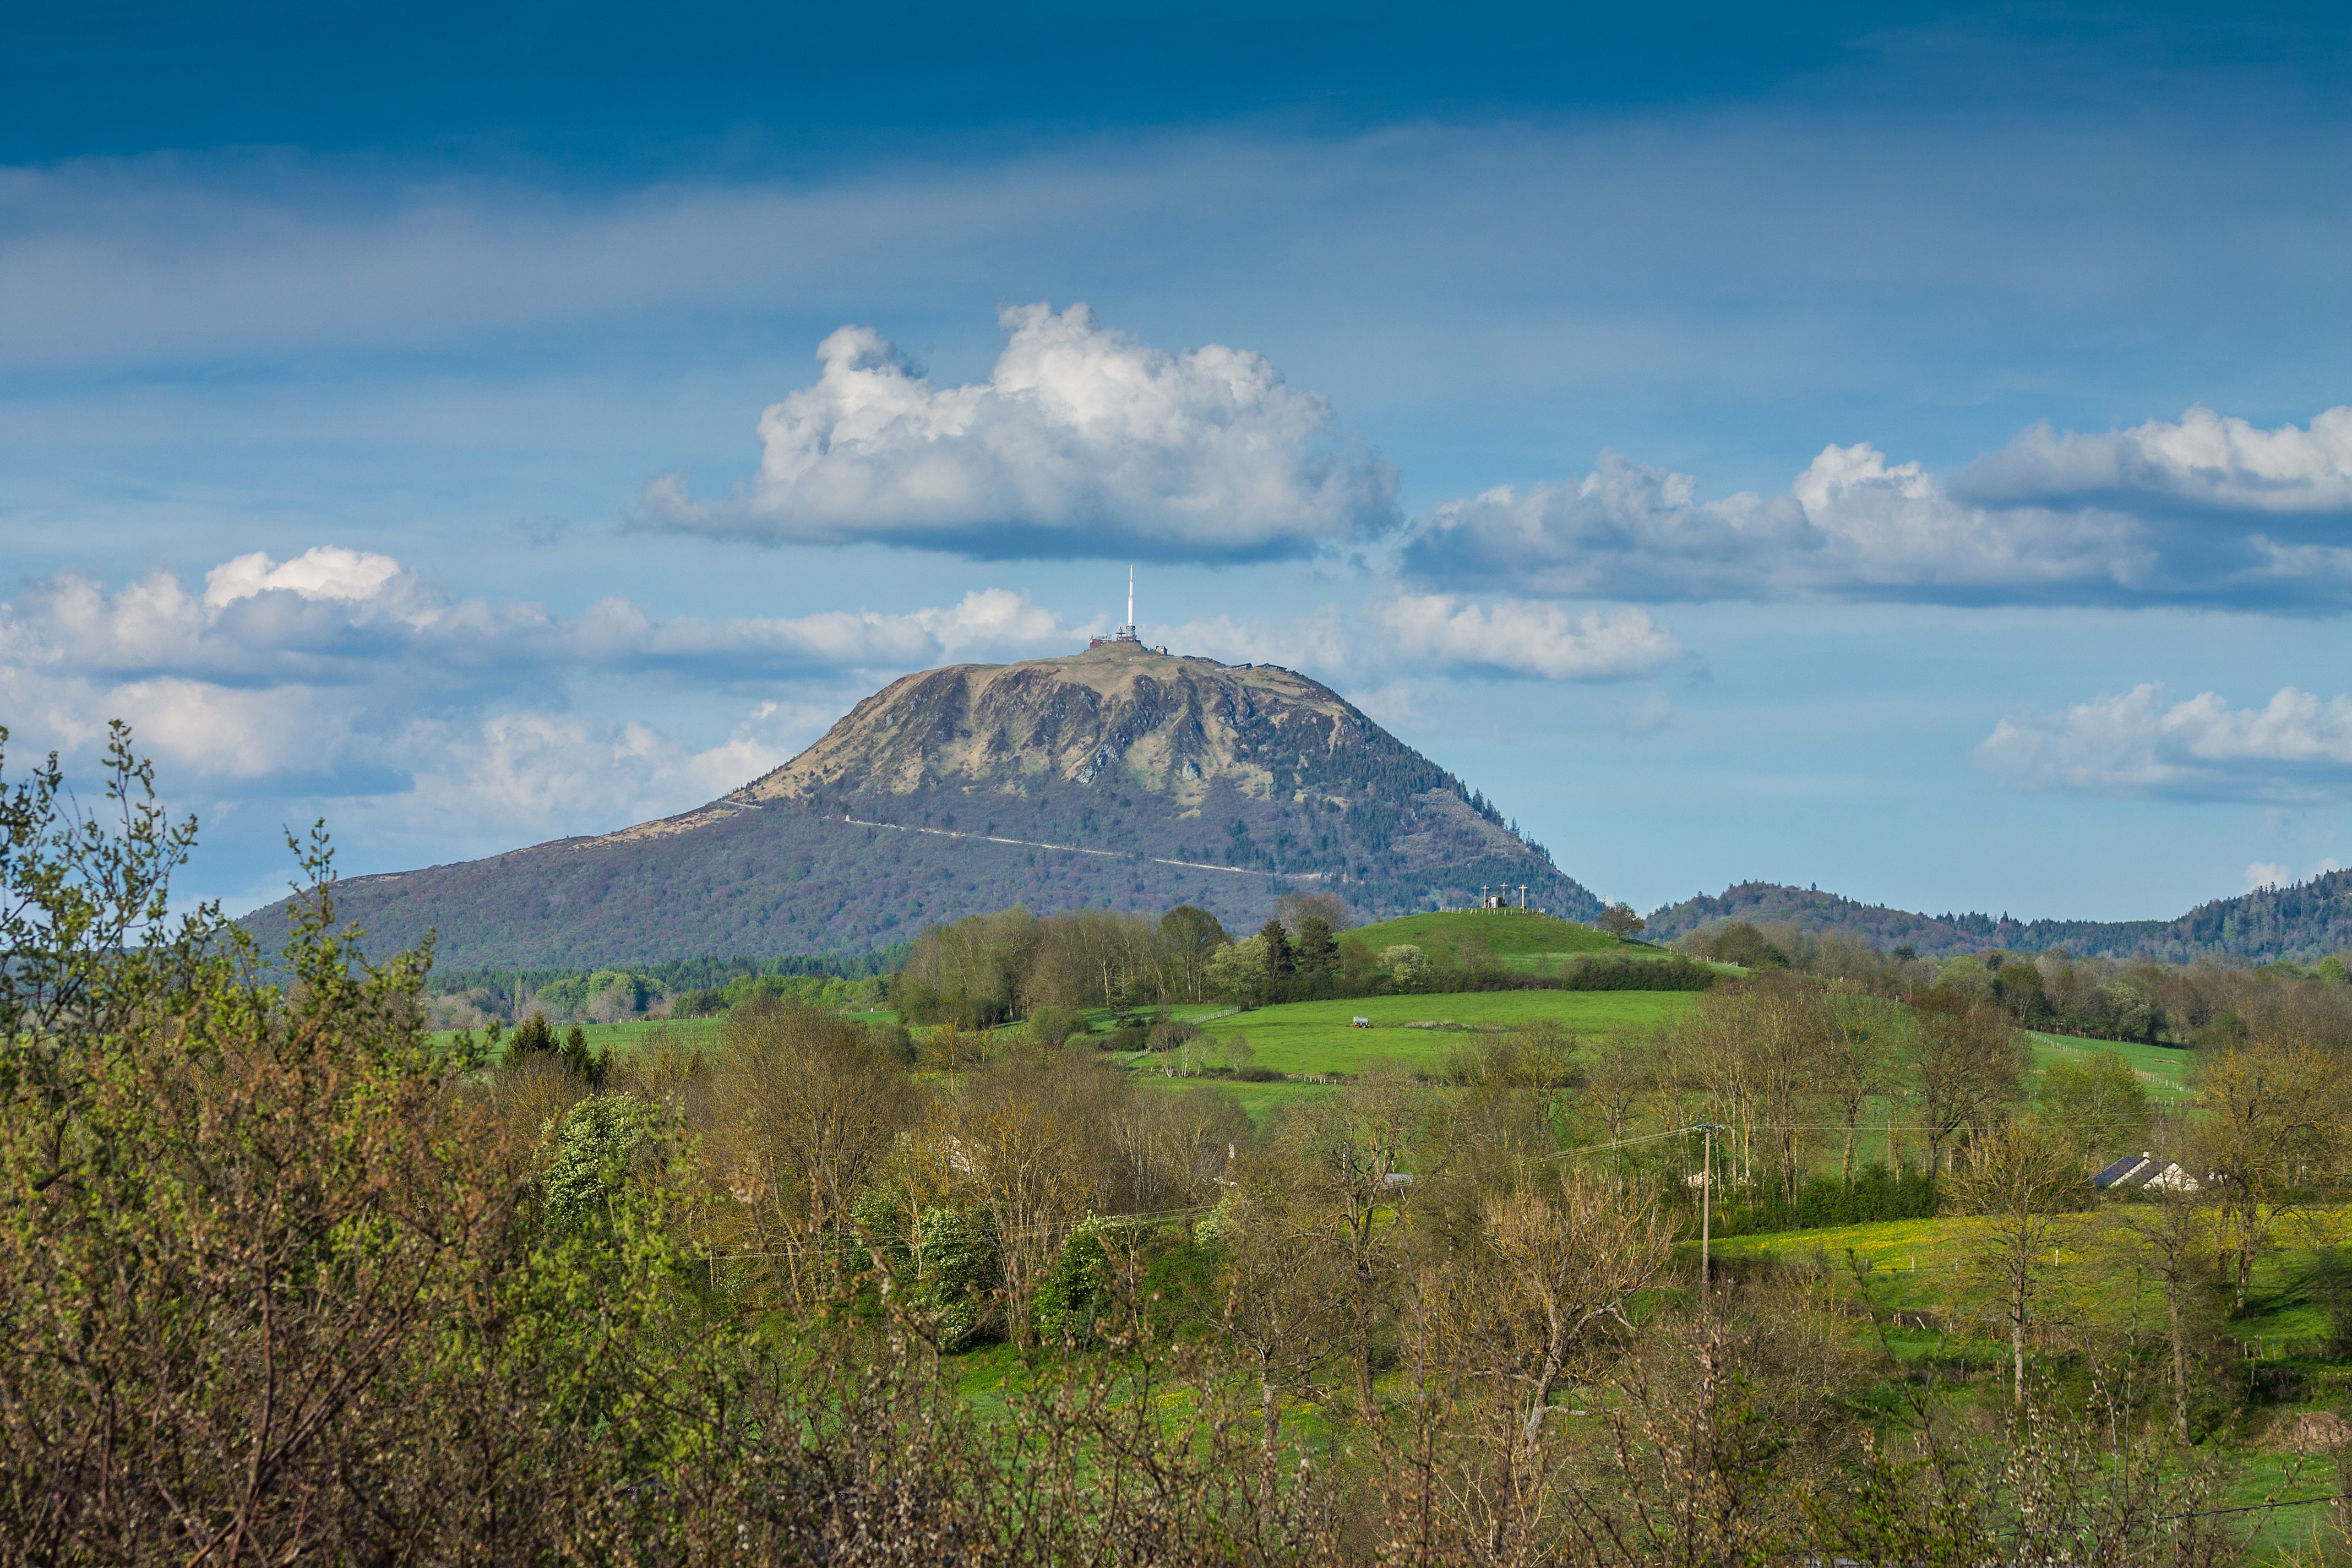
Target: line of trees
pixel 985 969
pixel 682 988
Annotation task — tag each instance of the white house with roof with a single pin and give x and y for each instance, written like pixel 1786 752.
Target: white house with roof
pixel 2144 1172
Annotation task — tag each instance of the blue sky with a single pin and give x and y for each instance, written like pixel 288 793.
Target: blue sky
pixel 1904 450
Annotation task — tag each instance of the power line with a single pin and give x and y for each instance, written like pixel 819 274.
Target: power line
pixel 1621 1144
pixel 2258 1507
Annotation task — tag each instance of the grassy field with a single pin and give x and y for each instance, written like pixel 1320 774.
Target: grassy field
pixel 636 1035
pixel 1518 939
pixel 1315 1038
pixel 1935 1266
pixel 1925 1261
pixel 2164 1070
pixel 1261 1101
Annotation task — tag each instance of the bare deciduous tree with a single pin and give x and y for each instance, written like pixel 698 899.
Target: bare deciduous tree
pixel 2023 1181
pixel 1353 1153
pixel 803 1112
pixel 1857 1060
pixel 2273 1114
pixel 2170 1235
pixel 1568 1259
pixel 1019 1138
pixel 1969 1067
pixel 1285 1300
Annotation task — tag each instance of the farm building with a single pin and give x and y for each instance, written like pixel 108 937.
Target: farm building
pixel 2144 1171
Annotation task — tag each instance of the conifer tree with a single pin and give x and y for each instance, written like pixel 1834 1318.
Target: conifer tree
pixel 1280 958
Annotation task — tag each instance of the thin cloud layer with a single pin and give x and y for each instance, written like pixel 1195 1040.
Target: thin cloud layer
pixel 2205 511
pixel 1412 638
pixel 342 673
pixel 335 616
pixel 2295 749
pixel 1081 442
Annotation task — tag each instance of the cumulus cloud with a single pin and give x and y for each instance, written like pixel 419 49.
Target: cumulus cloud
pixel 1513 637
pixel 2205 511
pixel 1080 442
pixel 325 573
pixel 2295 749
pixel 2203 462
pixel 524 772
pixel 1853 525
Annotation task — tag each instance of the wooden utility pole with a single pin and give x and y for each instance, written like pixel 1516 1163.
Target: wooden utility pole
pixel 1707 1130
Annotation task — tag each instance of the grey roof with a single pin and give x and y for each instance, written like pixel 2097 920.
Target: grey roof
pixel 2133 1171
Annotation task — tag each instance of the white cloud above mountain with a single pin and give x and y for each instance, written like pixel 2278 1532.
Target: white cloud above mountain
pixel 2203 510
pixel 1081 442
pixel 1516 637
pixel 2295 749
pixel 1413 637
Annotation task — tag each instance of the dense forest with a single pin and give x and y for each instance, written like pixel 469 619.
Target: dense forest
pixel 288 1277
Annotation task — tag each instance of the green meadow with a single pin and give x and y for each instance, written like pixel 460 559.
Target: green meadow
pixel 1319 1036
pixel 636 1034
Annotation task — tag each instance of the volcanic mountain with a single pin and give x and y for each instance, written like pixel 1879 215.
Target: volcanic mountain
pixel 1120 776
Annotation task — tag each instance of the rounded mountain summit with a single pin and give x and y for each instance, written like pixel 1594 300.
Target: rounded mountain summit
pixel 1120 776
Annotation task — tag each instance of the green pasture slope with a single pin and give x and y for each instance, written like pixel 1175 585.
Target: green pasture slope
pixel 2162 1070
pixel 1316 1036
pixel 1519 939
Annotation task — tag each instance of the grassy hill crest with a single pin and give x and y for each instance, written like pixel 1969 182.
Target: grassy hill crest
pixel 1519 938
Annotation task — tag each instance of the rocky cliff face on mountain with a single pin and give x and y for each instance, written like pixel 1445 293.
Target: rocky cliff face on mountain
pixel 1119 776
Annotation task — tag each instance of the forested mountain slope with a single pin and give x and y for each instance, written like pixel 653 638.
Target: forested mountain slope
pixel 1118 777
pixel 2300 922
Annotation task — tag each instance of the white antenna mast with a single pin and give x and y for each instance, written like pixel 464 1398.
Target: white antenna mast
pixel 1126 632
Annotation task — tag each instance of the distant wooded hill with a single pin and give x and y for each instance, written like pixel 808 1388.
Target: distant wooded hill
pixel 1119 777
pixel 2298 923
